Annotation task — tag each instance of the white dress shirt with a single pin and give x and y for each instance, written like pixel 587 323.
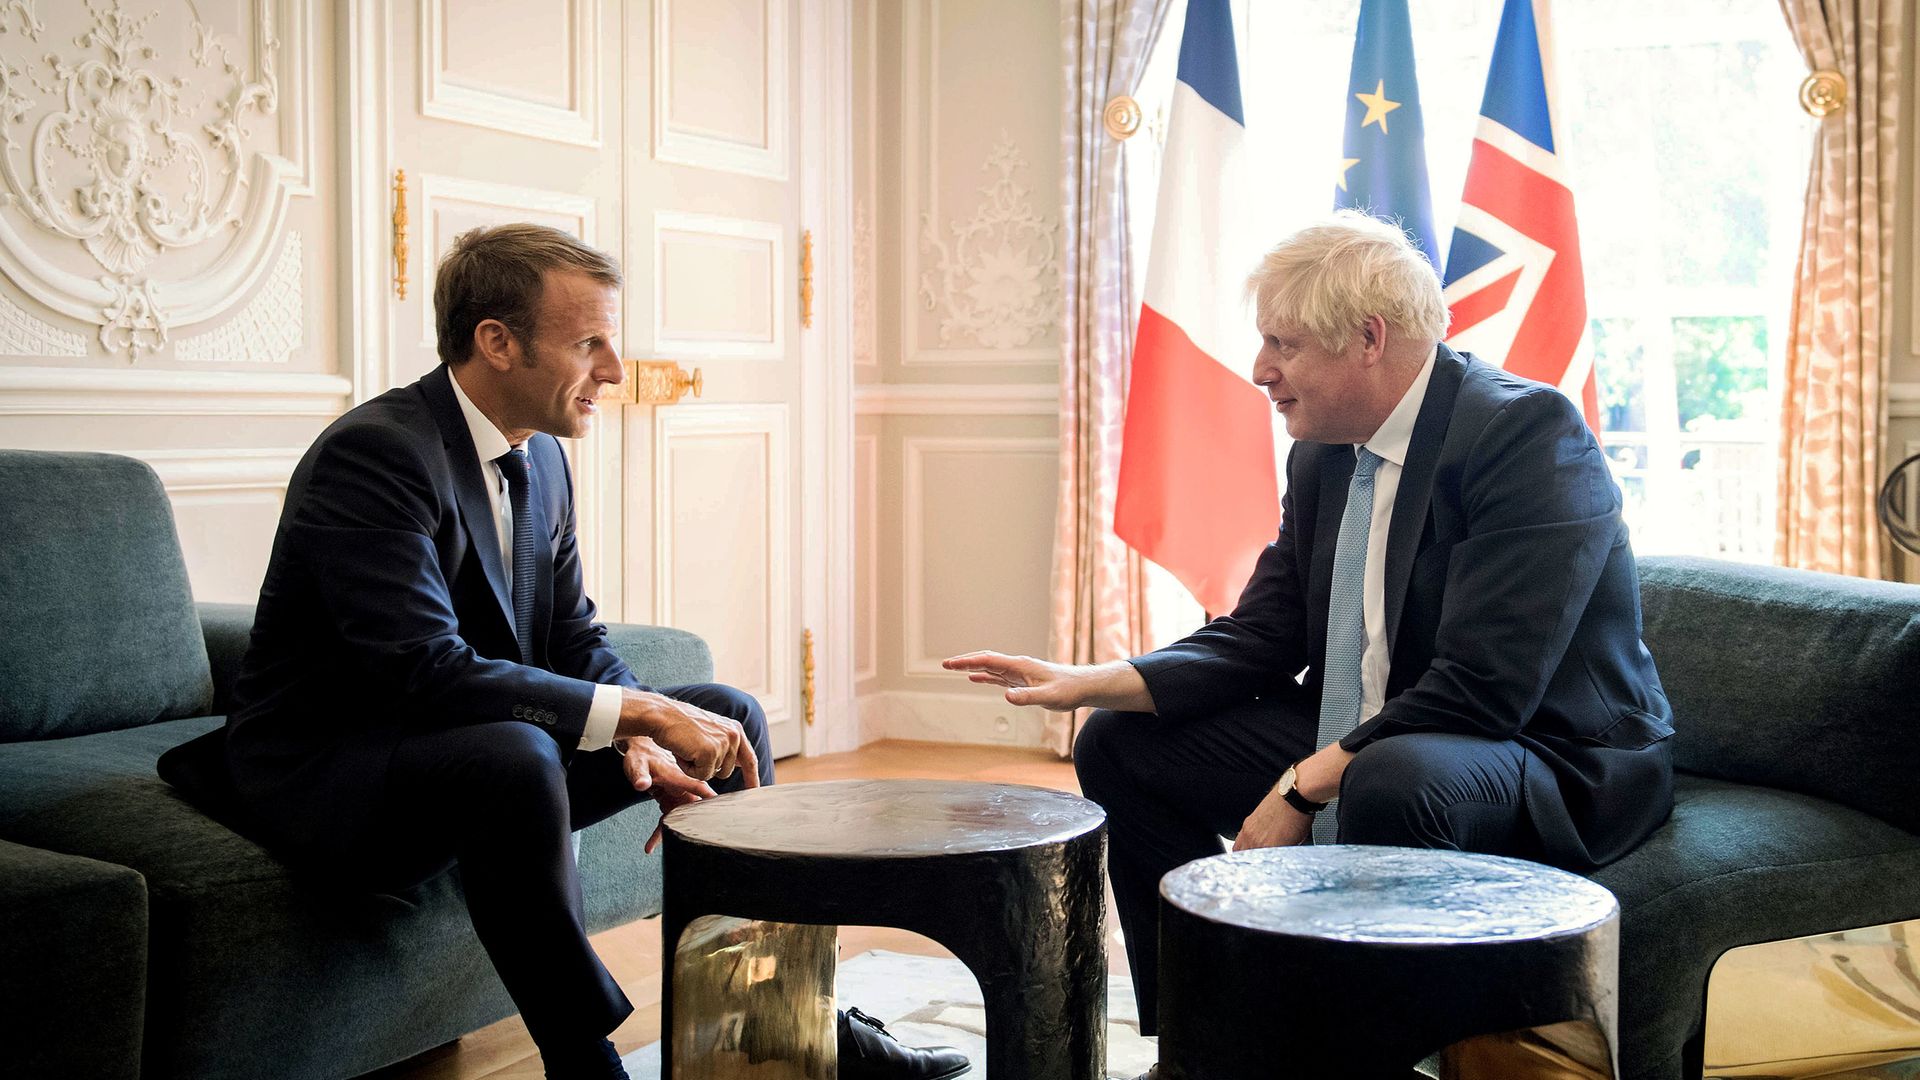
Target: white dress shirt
pixel 603 716
pixel 1390 442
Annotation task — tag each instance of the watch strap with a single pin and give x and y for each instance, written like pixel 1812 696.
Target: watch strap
pixel 1301 802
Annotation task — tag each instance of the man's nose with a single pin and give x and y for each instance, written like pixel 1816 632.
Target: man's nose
pixel 610 368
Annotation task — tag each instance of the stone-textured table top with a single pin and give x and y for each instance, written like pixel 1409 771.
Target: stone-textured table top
pixel 1388 895
pixel 886 818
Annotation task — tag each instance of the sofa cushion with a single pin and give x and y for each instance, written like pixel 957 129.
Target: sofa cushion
pixel 1790 679
pixel 102 631
pixel 256 971
pixel 74 956
pixel 661 655
pixel 1737 865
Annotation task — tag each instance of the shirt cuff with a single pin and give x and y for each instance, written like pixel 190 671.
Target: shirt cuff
pixel 603 718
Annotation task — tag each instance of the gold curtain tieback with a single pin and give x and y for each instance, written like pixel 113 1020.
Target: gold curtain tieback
pixel 1823 93
pixel 1122 117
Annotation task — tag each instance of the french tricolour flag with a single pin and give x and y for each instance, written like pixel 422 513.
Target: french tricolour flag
pixel 1514 284
pixel 1198 492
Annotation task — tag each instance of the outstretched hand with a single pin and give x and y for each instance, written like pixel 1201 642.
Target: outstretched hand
pixel 1028 681
pixel 651 768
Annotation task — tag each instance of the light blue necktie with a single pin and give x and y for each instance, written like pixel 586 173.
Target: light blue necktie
pixel 1346 626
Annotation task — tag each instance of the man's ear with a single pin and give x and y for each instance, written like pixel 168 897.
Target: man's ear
pixel 495 345
pixel 1373 338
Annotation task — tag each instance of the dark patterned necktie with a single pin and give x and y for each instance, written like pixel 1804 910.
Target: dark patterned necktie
pixel 517 469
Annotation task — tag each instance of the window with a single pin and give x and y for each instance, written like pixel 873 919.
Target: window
pixel 1688 155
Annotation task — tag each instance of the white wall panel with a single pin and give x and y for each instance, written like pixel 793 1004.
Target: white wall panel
pixel 530 67
pixel 720 95
pixel 226 506
pixel 979 226
pixel 720 287
pixel 723 541
pixel 976 575
pixel 866 570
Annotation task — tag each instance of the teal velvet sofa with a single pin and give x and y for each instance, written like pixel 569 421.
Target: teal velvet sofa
pixel 141 938
pixel 1796 705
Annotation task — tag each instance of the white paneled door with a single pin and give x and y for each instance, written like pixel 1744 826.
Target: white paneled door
pixel 665 134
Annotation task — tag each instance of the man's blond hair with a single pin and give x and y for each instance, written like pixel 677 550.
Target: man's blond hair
pixel 1329 277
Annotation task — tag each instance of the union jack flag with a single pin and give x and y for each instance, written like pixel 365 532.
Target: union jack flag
pixel 1513 282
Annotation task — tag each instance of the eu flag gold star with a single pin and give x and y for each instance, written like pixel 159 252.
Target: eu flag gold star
pixel 1377 106
pixel 1346 165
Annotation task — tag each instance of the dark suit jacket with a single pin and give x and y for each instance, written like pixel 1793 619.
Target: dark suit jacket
pixel 1512 608
pixel 385 609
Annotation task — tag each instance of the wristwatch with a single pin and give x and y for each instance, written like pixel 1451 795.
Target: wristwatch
pixel 1294 798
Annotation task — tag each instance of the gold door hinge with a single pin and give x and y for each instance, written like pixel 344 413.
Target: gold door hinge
pixel 656 382
pixel 806 643
pixel 400 233
pixel 806 278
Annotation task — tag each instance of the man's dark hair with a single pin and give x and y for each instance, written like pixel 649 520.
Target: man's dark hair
pixel 496 273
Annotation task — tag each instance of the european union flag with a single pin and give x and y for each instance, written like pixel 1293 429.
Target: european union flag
pixel 1383 170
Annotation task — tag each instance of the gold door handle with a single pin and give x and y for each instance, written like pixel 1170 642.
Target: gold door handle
pixel 656 382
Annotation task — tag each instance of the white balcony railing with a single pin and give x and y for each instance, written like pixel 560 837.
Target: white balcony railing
pixel 1697 493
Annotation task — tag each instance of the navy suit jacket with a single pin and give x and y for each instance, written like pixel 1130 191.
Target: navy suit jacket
pixel 385 609
pixel 1512 608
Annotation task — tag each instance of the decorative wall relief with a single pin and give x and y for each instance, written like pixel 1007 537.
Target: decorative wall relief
pixel 863 325
pixel 140 184
pixel 270 328
pixel 23 335
pixel 997 284
pixel 30 24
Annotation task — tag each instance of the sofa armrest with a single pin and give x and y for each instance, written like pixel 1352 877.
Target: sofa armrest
pixel 661 655
pixel 74 950
pixel 227 628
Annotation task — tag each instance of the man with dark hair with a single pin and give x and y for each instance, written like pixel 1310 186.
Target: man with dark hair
pixel 427 684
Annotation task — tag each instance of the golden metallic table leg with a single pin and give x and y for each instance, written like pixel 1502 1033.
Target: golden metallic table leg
pixel 1574 1050
pixel 1826 1005
pixel 727 970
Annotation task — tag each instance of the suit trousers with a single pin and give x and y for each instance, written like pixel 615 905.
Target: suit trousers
pixel 501 801
pixel 1173 789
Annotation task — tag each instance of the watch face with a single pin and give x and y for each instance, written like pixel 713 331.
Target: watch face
pixel 1286 781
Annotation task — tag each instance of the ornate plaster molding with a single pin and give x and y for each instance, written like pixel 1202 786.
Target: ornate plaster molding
pixel 23 335
pixel 136 143
pixel 997 283
pixel 270 328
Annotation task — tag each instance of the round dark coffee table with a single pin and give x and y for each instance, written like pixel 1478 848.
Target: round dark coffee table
pixel 1010 878
pixel 1362 961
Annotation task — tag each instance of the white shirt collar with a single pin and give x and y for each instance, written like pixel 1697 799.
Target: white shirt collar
pixel 488 442
pixel 1394 436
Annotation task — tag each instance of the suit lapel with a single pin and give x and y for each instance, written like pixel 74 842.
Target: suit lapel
pixel 470 492
pixel 1415 493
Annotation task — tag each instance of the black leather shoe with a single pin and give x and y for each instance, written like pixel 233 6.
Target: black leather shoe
pixel 868 1052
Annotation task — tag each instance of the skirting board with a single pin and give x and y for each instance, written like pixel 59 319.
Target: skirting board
pixel 982 718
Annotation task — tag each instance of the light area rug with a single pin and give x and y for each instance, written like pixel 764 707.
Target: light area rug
pixel 930 1000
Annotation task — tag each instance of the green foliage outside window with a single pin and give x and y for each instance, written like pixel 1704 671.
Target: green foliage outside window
pixel 1720 369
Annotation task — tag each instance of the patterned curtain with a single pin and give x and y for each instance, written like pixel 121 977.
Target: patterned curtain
pixel 1834 412
pixel 1099 602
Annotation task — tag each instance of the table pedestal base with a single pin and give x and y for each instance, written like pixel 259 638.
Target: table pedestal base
pixel 753 1000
